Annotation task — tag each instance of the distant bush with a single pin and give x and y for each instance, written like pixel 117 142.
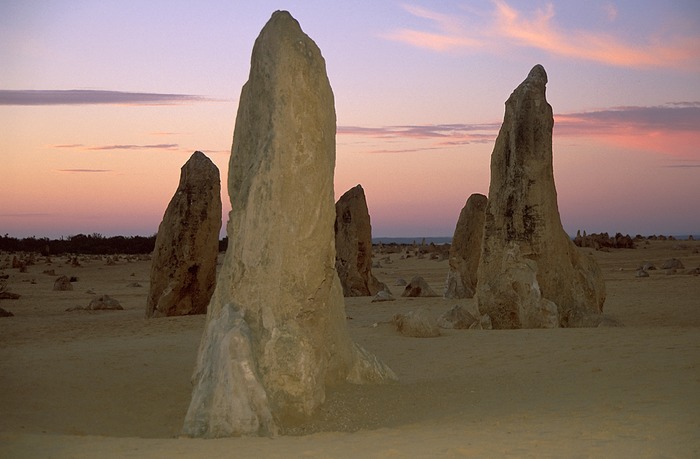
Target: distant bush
pixel 95 244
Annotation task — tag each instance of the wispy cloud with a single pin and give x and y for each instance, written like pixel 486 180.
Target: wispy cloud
pixel 92 97
pixel 450 33
pixel 447 134
pixel 163 133
pixel 403 150
pixel 678 116
pixel 69 145
pixel 26 215
pixel 83 147
pixel 682 166
pixel 84 170
pixel 506 27
pixel 158 146
pixel 672 129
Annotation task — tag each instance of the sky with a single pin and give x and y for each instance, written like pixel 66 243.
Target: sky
pixel 102 102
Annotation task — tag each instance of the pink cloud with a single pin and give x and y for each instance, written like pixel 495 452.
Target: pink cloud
pixel 509 27
pixel 445 134
pixel 541 32
pixel 671 129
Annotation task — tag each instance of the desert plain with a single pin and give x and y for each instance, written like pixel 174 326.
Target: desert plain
pixel 85 384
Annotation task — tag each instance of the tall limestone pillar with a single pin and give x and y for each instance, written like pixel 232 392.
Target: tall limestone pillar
pixel 530 273
pixel 275 335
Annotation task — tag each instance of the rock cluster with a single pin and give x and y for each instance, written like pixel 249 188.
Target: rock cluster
pixel 466 249
pixel 183 270
pixel 275 332
pixel 530 274
pixel 602 241
pixel 353 245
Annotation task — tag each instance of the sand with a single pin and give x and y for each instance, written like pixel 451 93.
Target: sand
pixel 113 384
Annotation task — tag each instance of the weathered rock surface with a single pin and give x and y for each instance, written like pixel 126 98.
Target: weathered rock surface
pixel 233 386
pixel 458 317
pixel 416 324
pixel 530 273
pixel 62 283
pixel 104 302
pixel 418 287
pixel 183 270
pixel 672 263
pixel 353 245
pixel 278 274
pixel 383 295
pixel 466 249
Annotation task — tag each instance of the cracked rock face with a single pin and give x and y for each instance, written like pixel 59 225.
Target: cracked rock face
pixel 183 270
pixel 530 273
pixel 353 245
pixel 276 332
pixel 466 249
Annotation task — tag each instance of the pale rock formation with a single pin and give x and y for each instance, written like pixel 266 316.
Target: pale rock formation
pixel 530 273
pixel 183 271
pixel 418 287
pixel 466 249
pixel 353 245
pixel 275 333
pixel 416 324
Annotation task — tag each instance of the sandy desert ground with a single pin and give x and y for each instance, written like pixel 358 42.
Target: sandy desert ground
pixel 113 384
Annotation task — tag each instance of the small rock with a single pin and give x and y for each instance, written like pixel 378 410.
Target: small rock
pixel 383 295
pixel 5 313
pixel 418 287
pixel 416 324
pixel 400 282
pixel 641 273
pixel 62 284
pixel 673 263
pixel 103 302
pixel 458 318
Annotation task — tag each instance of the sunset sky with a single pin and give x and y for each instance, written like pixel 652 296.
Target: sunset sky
pixel 102 102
